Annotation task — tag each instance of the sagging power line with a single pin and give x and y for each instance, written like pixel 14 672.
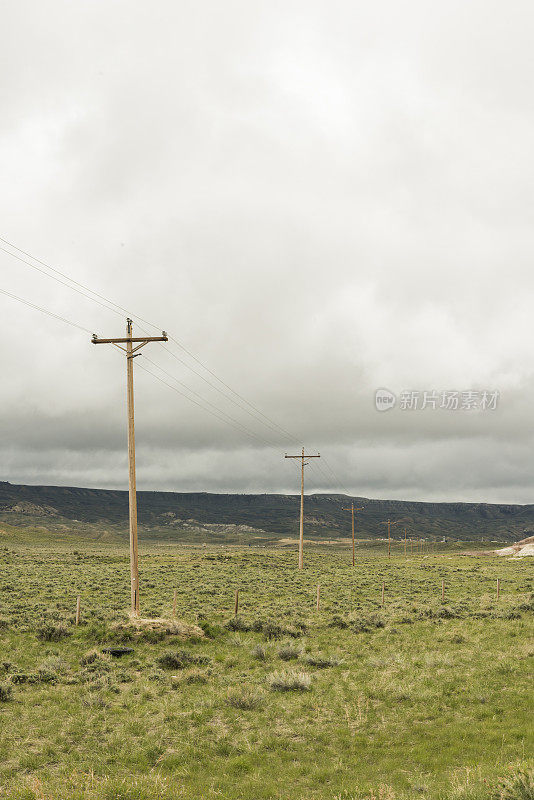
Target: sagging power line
pixel 110 305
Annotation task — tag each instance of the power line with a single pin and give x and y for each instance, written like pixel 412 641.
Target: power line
pixel 218 413
pixel 58 280
pixel 44 311
pixel 336 477
pixel 67 277
pixel 234 424
pixel 275 428
pixel 207 402
pixel 118 309
pixel 286 433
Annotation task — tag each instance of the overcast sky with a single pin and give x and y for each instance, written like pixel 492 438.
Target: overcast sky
pixel 317 199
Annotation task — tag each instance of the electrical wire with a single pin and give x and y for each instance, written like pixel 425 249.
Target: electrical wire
pixel 279 427
pixel 214 410
pixel 275 428
pixel 58 280
pixel 203 400
pixel 44 311
pixel 233 423
pixel 218 413
pixel 110 305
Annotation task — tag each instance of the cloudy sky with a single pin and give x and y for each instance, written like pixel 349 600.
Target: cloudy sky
pixel 316 199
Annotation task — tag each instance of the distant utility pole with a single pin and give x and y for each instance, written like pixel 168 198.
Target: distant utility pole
pixel 353 510
pixel 301 538
pixel 131 353
pixel 389 523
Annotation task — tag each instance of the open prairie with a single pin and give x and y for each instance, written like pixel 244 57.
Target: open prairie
pixel 419 697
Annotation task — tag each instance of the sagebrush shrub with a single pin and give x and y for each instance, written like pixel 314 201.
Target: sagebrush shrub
pixel 289 681
pixel 52 632
pixel 259 652
pixel 180 659
pixel 245 699
pixel 6 692
pixel 322 662
pixel 288 653
pixel 238 624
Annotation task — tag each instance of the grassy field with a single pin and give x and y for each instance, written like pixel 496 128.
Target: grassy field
pixel 419 698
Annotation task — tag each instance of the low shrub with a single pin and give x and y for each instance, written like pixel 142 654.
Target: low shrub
pixel 195 676
pixel 272 630
pixel 245 699
pixel 52 632
pixel 366 622
pixel 288 653
pixel 529 604
pixel 49 671
pixel 6 693
pixel 24 677
pixel 210 630
pixel 339 622
pixel 322 662
pixel 289 681
pixel 95 664
pixel 238 624
pixel 179 659
pixel 259 652
pixel 519 786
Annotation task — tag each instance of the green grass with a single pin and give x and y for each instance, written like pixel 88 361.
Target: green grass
pixel 419 698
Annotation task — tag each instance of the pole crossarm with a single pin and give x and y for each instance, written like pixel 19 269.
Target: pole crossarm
pixel 145 339
pixel 302 456
pixel 130 352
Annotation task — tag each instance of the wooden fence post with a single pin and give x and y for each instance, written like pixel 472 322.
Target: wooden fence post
pixel 236 607
pixel 174 599
pixel 78 600
pixel 442 590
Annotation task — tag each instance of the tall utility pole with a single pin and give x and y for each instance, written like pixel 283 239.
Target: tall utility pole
pixel 131 353
pixel 301 538
pixel 352 509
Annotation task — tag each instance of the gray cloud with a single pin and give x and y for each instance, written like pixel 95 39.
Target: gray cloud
pixel 316 198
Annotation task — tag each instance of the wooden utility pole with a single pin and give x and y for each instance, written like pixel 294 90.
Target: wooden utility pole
pixel 389 523
pixel 405 542
pixel 352 509
pixel 301 537
pixel 131 353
